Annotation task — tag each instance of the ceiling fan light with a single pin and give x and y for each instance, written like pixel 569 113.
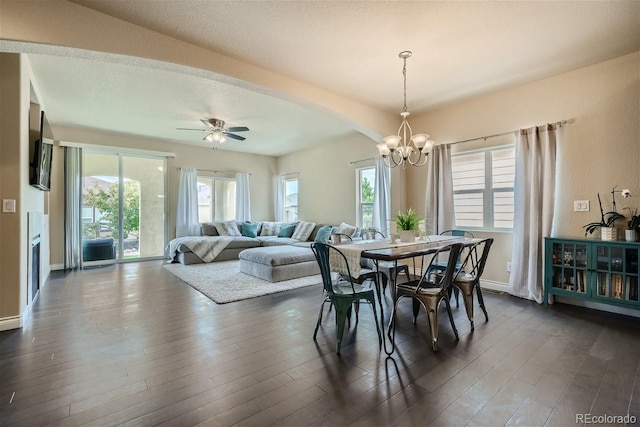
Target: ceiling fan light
pixel 209 137
pixel 392 141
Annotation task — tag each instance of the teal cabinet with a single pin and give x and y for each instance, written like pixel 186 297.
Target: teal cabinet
pixel 602 271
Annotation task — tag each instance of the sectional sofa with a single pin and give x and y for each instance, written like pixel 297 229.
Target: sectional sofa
pixel 223 241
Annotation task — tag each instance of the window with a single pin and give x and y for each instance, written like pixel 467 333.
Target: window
pixel 366 183
pixel 483 188
pixel 290 187
pixel 216 199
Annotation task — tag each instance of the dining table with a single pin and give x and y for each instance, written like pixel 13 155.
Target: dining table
pixel 388 251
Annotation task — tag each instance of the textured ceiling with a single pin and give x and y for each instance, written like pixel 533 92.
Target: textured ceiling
pixel 460 49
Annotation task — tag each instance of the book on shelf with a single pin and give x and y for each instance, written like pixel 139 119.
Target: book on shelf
pixel 632 288
pixel 617 286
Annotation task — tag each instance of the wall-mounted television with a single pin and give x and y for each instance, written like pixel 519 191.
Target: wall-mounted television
pixel 40 176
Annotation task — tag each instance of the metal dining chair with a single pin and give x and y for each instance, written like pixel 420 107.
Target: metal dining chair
pixel 441 265
pixel 341 293
pixel 429 291
pixel 467 278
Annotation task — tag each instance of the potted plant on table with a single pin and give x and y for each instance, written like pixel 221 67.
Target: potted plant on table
pixel 408 224
pixel 633 226
pixel 608 219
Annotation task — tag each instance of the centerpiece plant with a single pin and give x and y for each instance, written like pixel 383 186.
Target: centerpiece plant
pixel 408 223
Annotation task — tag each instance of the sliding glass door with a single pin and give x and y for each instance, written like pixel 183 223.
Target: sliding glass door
pixel 123 207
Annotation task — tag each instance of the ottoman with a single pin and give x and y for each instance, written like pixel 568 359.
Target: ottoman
pixel 278 263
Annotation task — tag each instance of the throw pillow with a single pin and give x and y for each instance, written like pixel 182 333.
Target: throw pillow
pixel 347 229
pixel 209 230
pixel 324 234
pixel 270 228
pixel 228 228
pixel 250 229
pixel 303 231
pixel 287 230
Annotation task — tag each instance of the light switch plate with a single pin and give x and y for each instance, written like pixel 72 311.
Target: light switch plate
pixel 8 205
pixel 581 206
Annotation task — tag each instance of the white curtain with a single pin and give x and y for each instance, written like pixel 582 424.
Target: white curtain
pixel 534 190
pixel 382 198
pixel 243 199
pixel 278 200
pixel 72 208
pixel 187 213
pixel 439 198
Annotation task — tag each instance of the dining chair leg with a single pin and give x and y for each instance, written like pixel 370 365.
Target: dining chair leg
pixel 453 325
pixel 341 315
pixel 431 306
pixel 467 296
pixel 315 332
pixel 416 310
pixel 481 301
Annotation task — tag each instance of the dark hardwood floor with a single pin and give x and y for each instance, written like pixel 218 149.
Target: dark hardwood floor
pixel 133 345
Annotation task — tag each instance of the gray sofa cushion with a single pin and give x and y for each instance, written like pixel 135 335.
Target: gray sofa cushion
pixel 278 255
pixel 278 241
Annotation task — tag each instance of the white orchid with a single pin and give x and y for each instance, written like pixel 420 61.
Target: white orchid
pixel 626 193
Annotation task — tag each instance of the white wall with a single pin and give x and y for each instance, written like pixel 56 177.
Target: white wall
pixel 600 148
pixel 16 79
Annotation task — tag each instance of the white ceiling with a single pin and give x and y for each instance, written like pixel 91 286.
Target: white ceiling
pixel 460 49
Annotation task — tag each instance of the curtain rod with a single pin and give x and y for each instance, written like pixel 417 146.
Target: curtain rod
pixel 289 173
pixel 216 171
pixel 559 123
pixel 362 160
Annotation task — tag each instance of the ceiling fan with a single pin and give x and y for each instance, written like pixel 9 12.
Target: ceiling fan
pixel 216 132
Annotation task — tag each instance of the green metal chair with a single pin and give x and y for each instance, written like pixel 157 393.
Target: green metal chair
pixel 467 278
pixel 441 265
pixel 341 293
pixel 429 291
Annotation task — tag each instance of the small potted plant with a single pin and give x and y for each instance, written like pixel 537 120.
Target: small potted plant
pixel 633 226
pixel 408 224
pixel 608 219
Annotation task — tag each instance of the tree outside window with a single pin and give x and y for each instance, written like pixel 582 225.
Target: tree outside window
pixel 366 183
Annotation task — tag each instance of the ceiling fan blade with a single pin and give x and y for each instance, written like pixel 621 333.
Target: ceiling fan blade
pixel 203 130
pixel 205 122
pixel 234 136
pixel 238 129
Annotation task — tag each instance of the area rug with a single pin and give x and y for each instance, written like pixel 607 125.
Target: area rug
pixel 223 282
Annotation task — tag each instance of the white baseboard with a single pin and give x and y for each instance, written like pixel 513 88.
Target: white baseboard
pixel 57 267
pixel 494 286
pixel 13 322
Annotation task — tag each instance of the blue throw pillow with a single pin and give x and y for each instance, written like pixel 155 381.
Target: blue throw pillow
pixel 323 234
pixel 287 230
pixel 250 229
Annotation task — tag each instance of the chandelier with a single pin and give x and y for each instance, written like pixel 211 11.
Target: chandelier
pixel 405 147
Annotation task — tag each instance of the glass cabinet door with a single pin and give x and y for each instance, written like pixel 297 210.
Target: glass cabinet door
pixel 631 268
pixel 569 267
pixel 616 275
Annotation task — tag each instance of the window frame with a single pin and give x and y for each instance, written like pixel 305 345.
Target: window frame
pixel 488 192
pixel 213 196
pixel 286 206
pixel 359 203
